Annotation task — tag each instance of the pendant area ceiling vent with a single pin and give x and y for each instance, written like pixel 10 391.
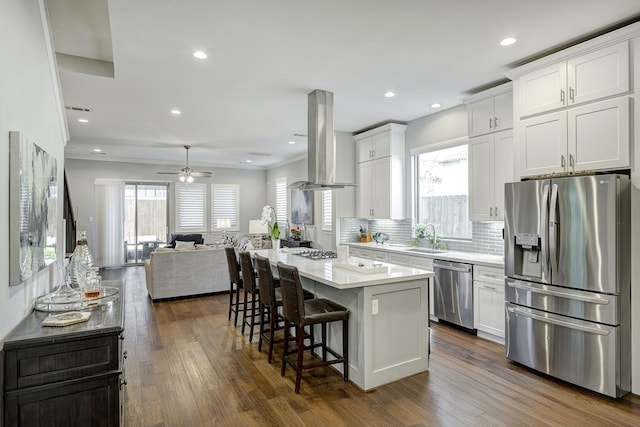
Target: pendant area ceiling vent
pixel 321 145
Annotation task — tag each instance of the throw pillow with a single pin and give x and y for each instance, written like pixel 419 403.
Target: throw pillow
pixel 181 246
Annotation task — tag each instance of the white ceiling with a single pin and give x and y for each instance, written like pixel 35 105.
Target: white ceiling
pixel 249 97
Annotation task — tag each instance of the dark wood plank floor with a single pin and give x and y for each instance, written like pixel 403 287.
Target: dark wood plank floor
pixel 188 366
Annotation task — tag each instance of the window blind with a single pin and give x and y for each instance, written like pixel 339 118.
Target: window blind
pixel 190 207
pixel 225 200
pixel 327 210
pixel 281 200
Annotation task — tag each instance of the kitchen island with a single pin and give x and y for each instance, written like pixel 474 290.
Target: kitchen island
pixel 388 322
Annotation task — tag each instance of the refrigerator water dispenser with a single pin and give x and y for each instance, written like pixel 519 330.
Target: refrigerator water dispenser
pixel 527 255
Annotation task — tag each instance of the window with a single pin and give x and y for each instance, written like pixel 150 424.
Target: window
pixel 442 191
pixel 225 203
pixel 327 211
pixel 190 207
pixel 281 200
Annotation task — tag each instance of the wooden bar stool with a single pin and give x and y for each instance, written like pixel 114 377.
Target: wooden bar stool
pixel 249 287
pixel 299 313
pixel 235 283
pixel 270 299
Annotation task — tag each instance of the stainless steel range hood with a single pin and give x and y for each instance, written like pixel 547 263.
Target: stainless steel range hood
pixel 321 154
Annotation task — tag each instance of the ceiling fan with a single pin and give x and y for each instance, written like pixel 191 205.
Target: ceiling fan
pixel 186 173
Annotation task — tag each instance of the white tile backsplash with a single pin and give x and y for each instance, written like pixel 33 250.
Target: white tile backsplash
pixel 486 236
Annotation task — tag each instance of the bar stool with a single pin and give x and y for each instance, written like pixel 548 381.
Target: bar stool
pixel 270 300
pixel 299 313
pixel 250 288
pixel 235 283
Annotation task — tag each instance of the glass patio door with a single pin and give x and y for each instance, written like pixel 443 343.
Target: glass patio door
pixel 145 220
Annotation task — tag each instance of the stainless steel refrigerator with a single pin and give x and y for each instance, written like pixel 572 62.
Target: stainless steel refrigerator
pixel 568 290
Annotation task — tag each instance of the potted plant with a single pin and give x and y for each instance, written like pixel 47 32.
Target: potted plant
pixel 296 233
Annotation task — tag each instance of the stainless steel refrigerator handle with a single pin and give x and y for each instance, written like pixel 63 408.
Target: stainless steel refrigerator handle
pixel 447 267
pixel 534 288
pixel 562 323
pixel 553 228
pixel 544 241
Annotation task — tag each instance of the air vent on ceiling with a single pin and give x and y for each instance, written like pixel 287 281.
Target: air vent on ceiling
pixel 72 108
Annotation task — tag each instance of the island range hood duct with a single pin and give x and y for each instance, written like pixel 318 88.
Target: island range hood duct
pixel 321 143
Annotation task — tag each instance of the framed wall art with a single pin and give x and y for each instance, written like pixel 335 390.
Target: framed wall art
pixel 33 192
pixel 301 206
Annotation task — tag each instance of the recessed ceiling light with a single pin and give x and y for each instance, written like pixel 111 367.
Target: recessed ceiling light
pixel 508 41
pixel 389 94
pixel 83 120
pixel 97 150
pixel 249 161
pixel 292 142
pixel 200 54
pixel 436 105
pixel 176 112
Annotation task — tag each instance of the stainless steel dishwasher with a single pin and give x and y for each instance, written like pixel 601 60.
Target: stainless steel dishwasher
pixel 453 293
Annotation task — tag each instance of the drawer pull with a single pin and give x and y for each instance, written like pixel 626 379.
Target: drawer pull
pixel 124 355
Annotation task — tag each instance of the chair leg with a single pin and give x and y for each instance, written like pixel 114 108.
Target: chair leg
pixel 273 318
pixel 254 297
pixel 324 342
pixel 300 342
pixel 244 311
pixel 287 326
pixel 235 321
pixel 231 292
pixel 262 321
pixel 345 348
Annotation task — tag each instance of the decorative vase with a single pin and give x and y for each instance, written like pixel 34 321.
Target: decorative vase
pixel 275 243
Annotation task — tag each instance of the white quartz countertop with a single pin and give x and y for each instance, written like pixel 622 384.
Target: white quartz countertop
pixel 324 271
pixel 470 257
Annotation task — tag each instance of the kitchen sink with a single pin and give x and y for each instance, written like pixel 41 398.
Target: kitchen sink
pixel 427 250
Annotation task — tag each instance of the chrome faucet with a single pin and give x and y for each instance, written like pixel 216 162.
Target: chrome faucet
pixel 433 238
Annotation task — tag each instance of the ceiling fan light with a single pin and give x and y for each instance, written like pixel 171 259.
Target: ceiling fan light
pixel 182 178
pixel 189 179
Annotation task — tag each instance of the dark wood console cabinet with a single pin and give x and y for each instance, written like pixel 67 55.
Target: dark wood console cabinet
pixel 67 376
pixel 290 243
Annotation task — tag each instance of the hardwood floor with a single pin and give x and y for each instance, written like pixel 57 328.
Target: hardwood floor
pixel 188 366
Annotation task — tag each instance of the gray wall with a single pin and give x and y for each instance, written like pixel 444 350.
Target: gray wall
pixel 343 199
pixel 81 175
pixel 28 104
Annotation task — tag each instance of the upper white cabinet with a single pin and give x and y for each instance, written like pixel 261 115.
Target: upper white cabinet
pixel 593 136
pixel 490 167
pixel 491 153
pixel 381 172
pixel 596 75
pixel 490 111
pixel 380 142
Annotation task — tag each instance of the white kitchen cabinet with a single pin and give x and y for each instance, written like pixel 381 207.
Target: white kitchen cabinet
pixel 426 264
pixel 400 259
pixel 381 256
pixel 383 141
pixel 492 114
pixel 584 78
pixel 590 137
pixel 381 188
pixel 488 302
pixel 490 167
pixel 360 253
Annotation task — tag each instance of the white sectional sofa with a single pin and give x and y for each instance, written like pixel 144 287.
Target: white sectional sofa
pixel 180 273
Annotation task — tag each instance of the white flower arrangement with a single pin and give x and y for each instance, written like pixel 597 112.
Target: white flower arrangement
pixel 269 218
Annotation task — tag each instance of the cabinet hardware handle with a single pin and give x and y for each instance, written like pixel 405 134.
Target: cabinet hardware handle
pixel 122 337
pixel 571 94
pixel 488 287
pixel 562 162
pixel 374 153
pixel 495 122
pixel 495 210
pixel 571 161
pixel 490 123
pixel 562 95
pixel 490 211
pixel 124 355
